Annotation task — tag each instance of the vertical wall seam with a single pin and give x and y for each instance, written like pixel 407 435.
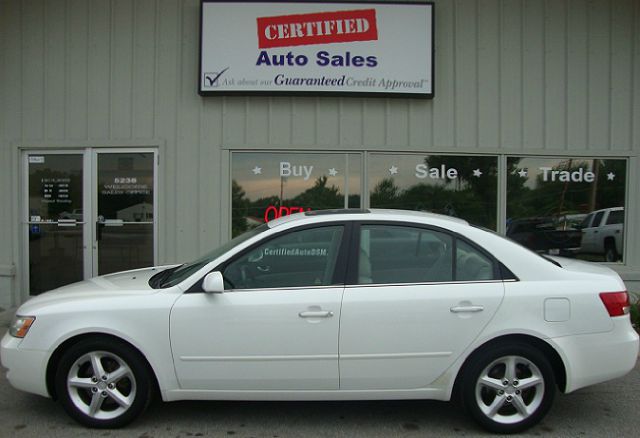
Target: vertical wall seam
pixel 408 105
pixel 86 50
pixel 499 73
pixel 588 69
pixel 111 67
pixel 477 81
pixel 132 67
pixel 362 128
pixel 269 112
pixel 176 130
pixel 154 96
pixel 454 74
pixel 609 84
pixel 43 109
pixel 632 92
pixel 65 57
pixel 340 121
pixel 522 84
pixel 245 123
pixel 566 77
pixel 291 109
pixel 545 143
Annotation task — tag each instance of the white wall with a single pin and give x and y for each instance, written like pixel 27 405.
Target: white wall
pixel 556 77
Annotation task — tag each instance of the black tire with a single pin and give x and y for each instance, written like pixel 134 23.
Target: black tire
pixel 519 406
pixel 92 398
pixel 610 252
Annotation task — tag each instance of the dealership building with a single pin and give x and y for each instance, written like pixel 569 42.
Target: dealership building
pixel 148 132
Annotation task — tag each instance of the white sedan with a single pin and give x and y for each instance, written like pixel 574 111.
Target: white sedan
pixel 347 305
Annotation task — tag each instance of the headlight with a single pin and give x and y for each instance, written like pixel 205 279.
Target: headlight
pixel 20 326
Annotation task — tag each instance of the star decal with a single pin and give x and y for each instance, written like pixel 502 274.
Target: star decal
pixel 393 170
pixel 257 170
pixel 333 171
pixel 523 173
pixel 477 173
pixel 610 176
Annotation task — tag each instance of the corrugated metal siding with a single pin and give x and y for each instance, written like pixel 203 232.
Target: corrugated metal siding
pixel 511 75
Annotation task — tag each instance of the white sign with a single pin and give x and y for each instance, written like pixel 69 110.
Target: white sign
pixel 316 48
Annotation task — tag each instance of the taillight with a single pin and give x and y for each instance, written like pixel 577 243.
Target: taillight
pixel 617 303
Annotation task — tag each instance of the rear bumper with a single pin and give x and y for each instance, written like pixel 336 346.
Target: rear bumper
pixel 26 368
pixel 596 358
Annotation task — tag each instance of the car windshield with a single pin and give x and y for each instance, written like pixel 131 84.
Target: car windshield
pixel 172 276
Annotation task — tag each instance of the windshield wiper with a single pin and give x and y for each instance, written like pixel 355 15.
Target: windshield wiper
pixel 159 278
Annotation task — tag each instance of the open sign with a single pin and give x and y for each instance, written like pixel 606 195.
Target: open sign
pixel 272 212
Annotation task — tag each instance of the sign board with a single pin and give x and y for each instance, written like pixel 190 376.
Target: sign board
pixel 336 48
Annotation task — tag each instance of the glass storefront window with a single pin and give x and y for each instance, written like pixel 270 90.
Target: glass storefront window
pixel 556 205
pixel 460 186
pixel 567 206
pixel 267 185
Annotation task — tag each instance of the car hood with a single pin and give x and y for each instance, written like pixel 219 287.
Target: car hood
pixel 135 282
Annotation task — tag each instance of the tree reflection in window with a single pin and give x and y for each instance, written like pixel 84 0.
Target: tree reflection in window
pixel 549 201
pixel 259 192
pixel 471 195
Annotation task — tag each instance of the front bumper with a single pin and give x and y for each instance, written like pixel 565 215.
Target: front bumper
pixel 26 368
pixel 596 358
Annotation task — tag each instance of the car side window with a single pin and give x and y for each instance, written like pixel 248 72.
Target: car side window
pixel 615 217
pixel 471 264
pixel 399 254
pixel 587 221
pixel 597 219
pixel 297 259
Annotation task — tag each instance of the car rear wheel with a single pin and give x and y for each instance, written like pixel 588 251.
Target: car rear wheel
pixel 103 383
pixel 509 388
pixel 610 253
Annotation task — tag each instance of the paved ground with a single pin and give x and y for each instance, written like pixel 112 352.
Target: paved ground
pixel 610 409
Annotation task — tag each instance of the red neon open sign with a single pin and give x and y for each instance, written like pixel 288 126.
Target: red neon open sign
pixel 272 212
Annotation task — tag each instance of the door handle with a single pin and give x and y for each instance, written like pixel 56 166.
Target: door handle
pixel 466 309
pixel 316 314
pixel 99 227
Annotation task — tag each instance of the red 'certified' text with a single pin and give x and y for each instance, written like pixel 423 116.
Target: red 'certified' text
pixel 317 28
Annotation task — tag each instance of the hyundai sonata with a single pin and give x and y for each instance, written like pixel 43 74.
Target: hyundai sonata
pixel 343 305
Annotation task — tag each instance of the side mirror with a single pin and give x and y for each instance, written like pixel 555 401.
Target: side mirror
pixel 213 283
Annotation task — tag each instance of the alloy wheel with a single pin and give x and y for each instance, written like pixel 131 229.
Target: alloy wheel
pixel 101 385
pixel 510 389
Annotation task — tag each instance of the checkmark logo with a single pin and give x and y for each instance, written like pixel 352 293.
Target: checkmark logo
pixel 211 79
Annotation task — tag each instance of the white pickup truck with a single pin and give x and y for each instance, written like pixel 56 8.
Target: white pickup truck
pixel 602 233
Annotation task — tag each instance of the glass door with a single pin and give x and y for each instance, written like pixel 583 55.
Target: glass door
pixel 55 230
pixel 124 230
pixel 87 212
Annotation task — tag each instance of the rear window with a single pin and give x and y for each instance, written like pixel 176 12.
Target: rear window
pixel 615 217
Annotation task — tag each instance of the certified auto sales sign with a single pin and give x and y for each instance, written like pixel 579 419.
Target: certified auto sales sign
pixel 316 48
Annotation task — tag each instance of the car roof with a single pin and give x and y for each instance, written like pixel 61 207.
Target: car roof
pixel 369 214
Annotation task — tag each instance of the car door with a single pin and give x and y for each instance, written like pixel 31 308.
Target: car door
pixel 420 297
pixel 275 327
pixel 591 234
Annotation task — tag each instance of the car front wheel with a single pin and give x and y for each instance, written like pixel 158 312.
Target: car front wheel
pixel 509 388
pixel 103 383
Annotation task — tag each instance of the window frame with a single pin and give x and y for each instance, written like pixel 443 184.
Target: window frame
pixel 354 254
